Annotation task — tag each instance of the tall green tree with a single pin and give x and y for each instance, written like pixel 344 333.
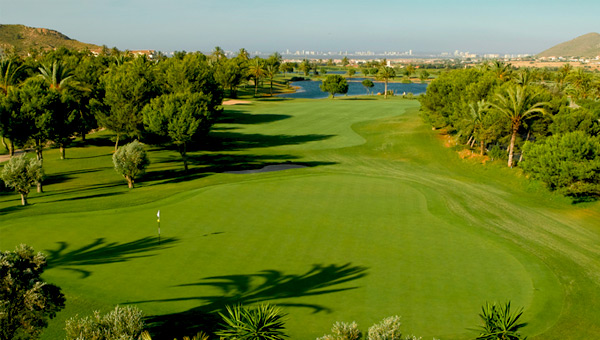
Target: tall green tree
pixel 27 302
pixel 272 66
pixel 230 73
pixel 178 117
pixel 305 66
pixel 128 88
pixel 386 73
pixel 256 70
pixel 345 61
pixel 518 103
pixel 333 84
pixel 368 84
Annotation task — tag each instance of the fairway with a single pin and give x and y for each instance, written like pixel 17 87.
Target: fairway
pixel 383 221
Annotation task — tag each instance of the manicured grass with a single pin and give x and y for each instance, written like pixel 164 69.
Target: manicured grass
pixel 383 221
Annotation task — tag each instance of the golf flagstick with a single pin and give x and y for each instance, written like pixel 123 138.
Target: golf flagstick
pixel 158 220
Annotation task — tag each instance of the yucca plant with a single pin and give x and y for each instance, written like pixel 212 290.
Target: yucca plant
pixel 499 323
pixel 264 322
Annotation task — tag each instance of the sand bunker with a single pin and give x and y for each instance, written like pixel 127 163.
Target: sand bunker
pixel 268 168
pixel 235 102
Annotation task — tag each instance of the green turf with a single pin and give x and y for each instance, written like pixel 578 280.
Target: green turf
pixel 384 221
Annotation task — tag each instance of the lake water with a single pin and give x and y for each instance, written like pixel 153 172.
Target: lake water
pixel 310 89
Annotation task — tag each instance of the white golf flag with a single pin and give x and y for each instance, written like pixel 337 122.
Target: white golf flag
pixel 158 215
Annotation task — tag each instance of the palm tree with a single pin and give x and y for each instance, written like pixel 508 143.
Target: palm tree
pixel 562 74
pixel 264 322
pixel 9 74
pixel 256 71
pixel 243 54
pixel 581 83
pixel 500 323
pixel 57 75
pixel 518 103
pixel 502 70
pixel 271 71
pixel 386 73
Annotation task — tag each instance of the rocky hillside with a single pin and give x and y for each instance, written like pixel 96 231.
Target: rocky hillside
pixel 22 39
pixel 587 46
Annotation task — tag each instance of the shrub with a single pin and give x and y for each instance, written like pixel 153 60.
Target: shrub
pixel 131 161
pixel 123 323
pixel 343 331
pixel 569 163
pixel 26 301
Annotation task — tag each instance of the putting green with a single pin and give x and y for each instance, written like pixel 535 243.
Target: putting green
pixel 383 221
pixel 375 247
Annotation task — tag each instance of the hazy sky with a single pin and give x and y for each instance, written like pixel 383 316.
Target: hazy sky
pixel 509 26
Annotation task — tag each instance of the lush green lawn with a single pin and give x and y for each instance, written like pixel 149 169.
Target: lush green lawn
pixel 383 221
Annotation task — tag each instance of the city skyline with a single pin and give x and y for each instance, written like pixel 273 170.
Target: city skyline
pixel 510 27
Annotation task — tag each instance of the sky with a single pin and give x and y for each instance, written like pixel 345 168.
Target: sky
pixel 482 26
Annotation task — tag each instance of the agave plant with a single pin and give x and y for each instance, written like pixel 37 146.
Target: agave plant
pixel 264 322
pixel 499 323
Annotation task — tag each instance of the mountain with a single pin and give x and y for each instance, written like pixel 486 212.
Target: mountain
pixel 23 38
pixel 587 45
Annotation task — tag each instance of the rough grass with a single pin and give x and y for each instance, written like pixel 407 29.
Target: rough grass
pixel 383 221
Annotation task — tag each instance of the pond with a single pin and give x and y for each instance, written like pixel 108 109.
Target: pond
pixel 310 89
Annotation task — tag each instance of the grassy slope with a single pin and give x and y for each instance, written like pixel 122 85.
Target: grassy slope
pixel 587 45
pixel 23 38
pixel 385 221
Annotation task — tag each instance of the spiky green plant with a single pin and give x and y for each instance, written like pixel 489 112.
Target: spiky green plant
pixel 264 322
pixel 499 323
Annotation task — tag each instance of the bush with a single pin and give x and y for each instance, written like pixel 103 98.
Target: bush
pixel 387 329
pixel 569 163
pixel 26 301
pixel 343 331
pixel 131 161
pixel 123 323
pixel 21 173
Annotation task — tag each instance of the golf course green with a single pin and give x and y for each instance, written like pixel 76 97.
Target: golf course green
pixel 383 220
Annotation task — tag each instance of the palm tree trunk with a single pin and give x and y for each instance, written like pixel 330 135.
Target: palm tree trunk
pixel 481 147
pixel 511 147
pixel 385 91
pixel 271 87
pixel 255 86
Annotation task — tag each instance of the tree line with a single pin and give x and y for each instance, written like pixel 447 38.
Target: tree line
pixel 547 123
pixel 53 97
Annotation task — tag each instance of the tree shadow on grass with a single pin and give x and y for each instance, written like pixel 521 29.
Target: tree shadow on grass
pixel 247 289
pixel 202 165
pixel 102 252
pixel 68 175
pixel 242 117
pixel 235 141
